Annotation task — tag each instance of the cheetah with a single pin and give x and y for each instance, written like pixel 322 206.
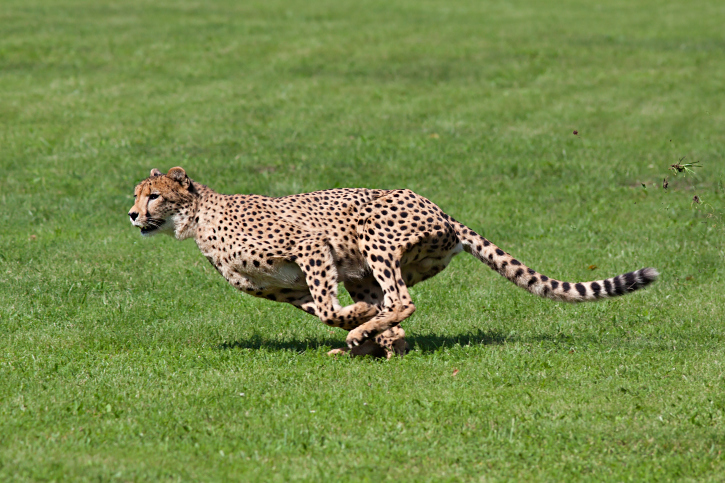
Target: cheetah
pixel 297 249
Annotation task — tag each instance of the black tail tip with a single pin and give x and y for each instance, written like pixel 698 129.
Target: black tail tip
pixel 647 275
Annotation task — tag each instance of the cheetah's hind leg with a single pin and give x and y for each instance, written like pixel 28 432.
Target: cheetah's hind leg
pixel 388 344
pixel 393 342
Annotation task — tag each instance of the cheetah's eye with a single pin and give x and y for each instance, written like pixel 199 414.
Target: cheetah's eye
pixel 153 196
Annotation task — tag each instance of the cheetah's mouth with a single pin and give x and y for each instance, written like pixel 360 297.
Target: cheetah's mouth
pixel 151 226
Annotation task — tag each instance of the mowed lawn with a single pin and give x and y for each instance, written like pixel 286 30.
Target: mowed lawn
pixel 125 358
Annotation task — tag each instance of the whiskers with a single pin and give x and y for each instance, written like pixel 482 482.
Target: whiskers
pixel 152 224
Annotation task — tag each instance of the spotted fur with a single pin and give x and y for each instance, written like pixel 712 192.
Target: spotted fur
pixel 296 249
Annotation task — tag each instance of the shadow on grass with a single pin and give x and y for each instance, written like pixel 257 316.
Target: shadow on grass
pixel 258 342
pixel 432 343
pixel 429 343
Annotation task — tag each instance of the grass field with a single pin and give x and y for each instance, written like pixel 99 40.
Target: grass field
pixel 129 359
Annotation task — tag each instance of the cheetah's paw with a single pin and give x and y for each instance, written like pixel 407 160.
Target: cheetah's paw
pixel 357 337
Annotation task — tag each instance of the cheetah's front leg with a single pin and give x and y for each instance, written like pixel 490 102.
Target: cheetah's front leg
pixel 389 343
pixel 397 303
pixel 392 343
pixel 321 277
pixel 320 272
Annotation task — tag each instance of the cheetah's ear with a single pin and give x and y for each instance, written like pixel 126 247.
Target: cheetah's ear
pixel 179 175
pixel 155 172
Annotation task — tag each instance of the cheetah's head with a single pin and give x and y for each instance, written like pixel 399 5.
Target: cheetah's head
pixel 161 201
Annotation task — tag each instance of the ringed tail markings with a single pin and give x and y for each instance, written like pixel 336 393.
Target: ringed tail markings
pixel 543 286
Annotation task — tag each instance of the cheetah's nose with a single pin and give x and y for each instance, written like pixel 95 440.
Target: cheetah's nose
pixel 133 215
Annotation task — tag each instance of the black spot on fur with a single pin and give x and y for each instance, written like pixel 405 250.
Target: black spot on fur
pixel 581 289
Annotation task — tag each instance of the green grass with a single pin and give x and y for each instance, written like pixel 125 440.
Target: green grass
pixel 124 359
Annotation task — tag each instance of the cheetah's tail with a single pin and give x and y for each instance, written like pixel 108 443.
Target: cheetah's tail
pixel 543 286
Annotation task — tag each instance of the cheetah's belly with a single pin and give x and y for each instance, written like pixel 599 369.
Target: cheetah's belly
pixel 288 275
